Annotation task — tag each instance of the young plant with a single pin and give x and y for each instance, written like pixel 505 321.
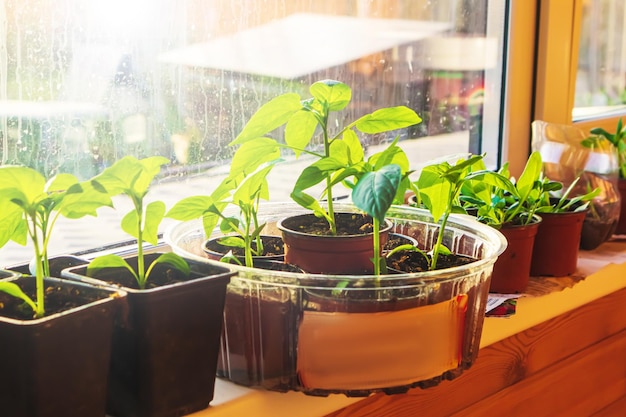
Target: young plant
pixel 440 185
pixel 342 153
pixel 30 209
pixel 507 201
pixel 244 187
pixel 617 139
pixel 549 201
pixel 132 177
pixel 374 194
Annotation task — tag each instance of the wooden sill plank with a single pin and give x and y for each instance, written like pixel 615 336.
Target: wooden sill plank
pixel 578 386
pixel 614 409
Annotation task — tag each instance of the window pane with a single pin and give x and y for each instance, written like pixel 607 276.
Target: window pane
pixel 601 78
pixel 83 83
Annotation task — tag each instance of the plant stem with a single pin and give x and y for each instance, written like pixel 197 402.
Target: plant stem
pixel 323 121
pixel 39 269
pixel 141 272
pixel 376 258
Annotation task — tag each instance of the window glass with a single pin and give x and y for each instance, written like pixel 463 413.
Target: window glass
pixel 83 83
pixel 601 76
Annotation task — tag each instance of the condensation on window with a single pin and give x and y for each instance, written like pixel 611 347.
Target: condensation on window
pixel 83 82
pixel 601 76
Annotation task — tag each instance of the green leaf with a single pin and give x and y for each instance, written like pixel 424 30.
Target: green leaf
pixel 172 259
pixel 335 94
pixel 108 261
pixel 391 155
pixel 15 291
pixel 130 175
pixel 375 191
pixel 317 172
pixel 254 186
pixel 299 131
pixel 12 225
pixel 269 117
pixel 87 202
pixel 232 241
pixel 253 154
pixel 152 218
pixel 434 190
pixel 387 119
pixel 190 208
pixel 308 202
pixel 28 184
pixel 131 224
pixel 532 172
pixel 355 150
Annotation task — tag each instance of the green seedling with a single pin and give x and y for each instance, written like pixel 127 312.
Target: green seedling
pixel 342 154
pixel 30 209
pixel 440 184
pixel 132 177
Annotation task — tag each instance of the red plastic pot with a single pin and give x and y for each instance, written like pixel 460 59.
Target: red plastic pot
pixel 323 254
pixel 511 272
pixel 555 252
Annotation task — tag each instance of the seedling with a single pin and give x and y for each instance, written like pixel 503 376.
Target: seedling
pixel 248 185
pixel 617 139
pixel 132 177
pixel 342 153
pixel 440 185
pixel 30 208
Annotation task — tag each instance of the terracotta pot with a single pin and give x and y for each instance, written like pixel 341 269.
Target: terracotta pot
pixel 342 254
pixel 511 271
pixel 164 358
pixel 621 225
pixel 555 252
pixel 58 365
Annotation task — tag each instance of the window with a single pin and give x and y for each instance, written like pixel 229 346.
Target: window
pixel 83 83
pixel 601 75
pixel 580 66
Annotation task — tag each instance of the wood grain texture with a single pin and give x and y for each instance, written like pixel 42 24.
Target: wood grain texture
pixel 585 347
pixel 614 409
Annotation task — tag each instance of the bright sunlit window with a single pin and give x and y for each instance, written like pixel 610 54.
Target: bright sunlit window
pixel 83 83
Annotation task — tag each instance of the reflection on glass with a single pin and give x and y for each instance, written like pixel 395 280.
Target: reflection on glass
pixel 83 83
pixel 601 78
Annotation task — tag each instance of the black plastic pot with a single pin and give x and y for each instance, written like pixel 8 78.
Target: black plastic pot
pixel 164 357
pixel 58 365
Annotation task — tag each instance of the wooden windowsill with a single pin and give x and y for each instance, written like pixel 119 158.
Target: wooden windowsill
pixel 549 325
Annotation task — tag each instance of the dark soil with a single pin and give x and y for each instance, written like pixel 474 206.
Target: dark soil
pixel 347 224
pixel 272 246
pixel 411 261
pixel 162 274
pixel 396 240
pixel 58 298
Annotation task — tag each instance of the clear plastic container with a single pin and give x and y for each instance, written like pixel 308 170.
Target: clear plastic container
pixel 292 331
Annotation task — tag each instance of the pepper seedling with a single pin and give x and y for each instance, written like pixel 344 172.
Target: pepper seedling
pixel 30 209
pixel 132 177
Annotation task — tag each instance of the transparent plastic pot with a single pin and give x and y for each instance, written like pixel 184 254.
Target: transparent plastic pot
pixel 356 335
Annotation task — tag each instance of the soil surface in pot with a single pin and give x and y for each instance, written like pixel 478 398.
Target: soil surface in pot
pixel 347 224
pixel 272 246
pixel 412 261
pixel 162 274
pixel 56 300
